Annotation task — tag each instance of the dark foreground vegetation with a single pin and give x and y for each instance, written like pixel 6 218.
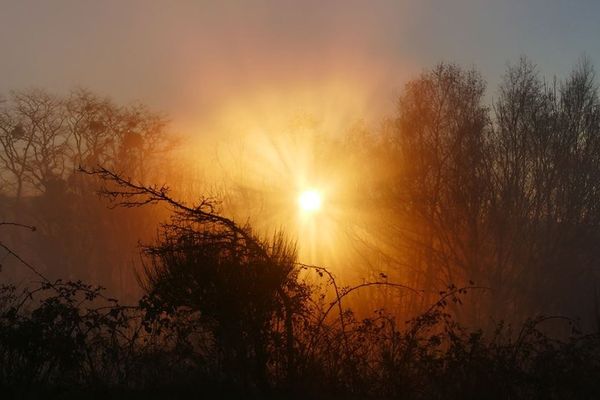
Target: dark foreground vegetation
pixel 481 261
pixel 229 315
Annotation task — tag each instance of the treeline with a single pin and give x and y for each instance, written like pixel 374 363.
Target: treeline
pixel 453 188
pixel 44 139
pixel 498 186
pixel 505 194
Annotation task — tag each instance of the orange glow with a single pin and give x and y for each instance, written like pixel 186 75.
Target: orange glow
pixel 276 161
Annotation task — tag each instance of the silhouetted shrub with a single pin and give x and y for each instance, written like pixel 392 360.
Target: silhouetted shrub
pixel 66 337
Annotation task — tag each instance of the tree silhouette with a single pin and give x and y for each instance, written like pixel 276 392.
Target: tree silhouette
pixel 245 289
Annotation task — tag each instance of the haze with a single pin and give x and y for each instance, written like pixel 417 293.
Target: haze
pixel 195 59
pixel 300 199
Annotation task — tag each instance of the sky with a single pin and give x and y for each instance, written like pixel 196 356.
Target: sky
pixel 194 60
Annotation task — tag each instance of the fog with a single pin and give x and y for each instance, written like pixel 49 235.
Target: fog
pixel 300 200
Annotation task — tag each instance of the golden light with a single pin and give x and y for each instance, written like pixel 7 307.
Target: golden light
pixel 286 171
pixel 309 200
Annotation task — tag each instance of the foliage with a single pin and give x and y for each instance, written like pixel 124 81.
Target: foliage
pixel 66 337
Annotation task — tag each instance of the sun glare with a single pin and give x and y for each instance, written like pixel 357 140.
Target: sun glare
pixel 309 200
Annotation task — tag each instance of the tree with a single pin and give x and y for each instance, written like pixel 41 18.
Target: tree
pixel 245 290
pixel 44 138
pixel 437 199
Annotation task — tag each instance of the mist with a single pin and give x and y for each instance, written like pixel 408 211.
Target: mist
pixel 282 200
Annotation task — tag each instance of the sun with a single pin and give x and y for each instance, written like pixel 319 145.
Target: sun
pixel 310 201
